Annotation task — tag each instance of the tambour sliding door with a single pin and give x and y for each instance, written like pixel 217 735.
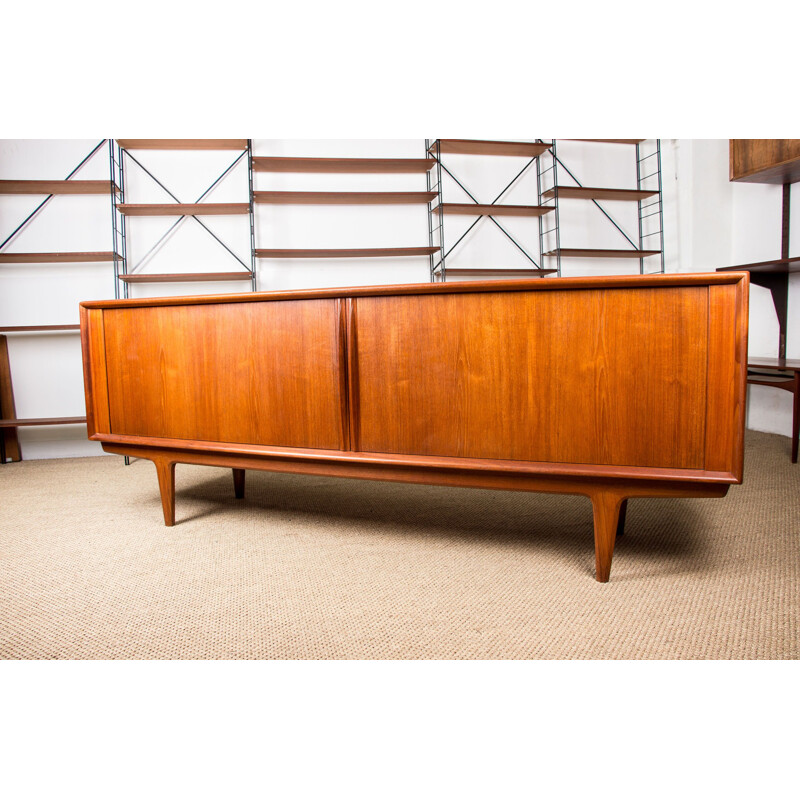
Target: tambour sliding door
pixel 592 376
pixel 258 373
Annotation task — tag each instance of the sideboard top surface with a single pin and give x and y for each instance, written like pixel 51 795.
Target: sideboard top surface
pixel 537 285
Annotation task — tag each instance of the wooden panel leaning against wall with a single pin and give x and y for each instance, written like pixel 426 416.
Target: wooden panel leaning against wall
pixel 605 387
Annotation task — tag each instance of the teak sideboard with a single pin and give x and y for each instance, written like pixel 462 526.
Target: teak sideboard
pixel 611 388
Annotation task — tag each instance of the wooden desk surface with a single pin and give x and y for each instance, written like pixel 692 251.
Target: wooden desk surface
pixel 774 363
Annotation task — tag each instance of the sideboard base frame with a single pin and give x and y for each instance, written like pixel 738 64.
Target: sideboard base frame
pixel 609 496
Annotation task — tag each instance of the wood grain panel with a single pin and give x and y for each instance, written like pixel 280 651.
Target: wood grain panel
pixel 38 328
pixel 39 421
pixel 575 252
pixel 492 209
pixel 56 187
pixel 399 290
pixel 186 277
pixel 611 377
pixel 343 198
pixel 182 209
pixel 774 161
pixel 261 373
pixel 597 193
pixel 95 371
pixel 183 144
pixel 56 258
pixel 480 147
pixel 361 252
pixel 93 350
pixel 341 165
pixel 727 378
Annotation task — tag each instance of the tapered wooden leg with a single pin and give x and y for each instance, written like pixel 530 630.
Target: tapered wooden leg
pixel 166 483
pixel 606 507
pixel 238 483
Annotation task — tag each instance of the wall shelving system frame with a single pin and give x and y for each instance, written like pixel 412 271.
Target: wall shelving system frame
pixel 122 156
pixel 556 182
pixel 342 166
pixel 10 448
pixel 437 212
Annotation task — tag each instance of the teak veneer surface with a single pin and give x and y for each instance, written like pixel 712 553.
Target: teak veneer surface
pixel 25 423
pixel 629 365
pixel 611 387
pixel 481 147
pixel 56 258
pixel 39 328
pixel 575 252
pixel 363 252
pixel 182 209
pixel 777 265
pixel 775 161
pixel 765 362
pixel 258 373
pixel 343 198
pixel 498 272
pixel 56 187
pixel 185 277
pixel 183 144
pixel 492 210
pixel 341 165
pixel 597 193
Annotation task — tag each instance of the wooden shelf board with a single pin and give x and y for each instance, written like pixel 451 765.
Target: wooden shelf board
pixel 343 198
pixel 56 258
pixel 770 380
pixel 182 209
pixel 609 141
pixel 765 362
pixel 480 147
pixel 186 277
pixel 183 144
pixel 38 328
pixel 499 272
pixel 24 423
pixel 598 193
pixel 780 265
pixel 341 165
pixel 56 187
pixel 370 252
pixel 476 209
pixel 572 252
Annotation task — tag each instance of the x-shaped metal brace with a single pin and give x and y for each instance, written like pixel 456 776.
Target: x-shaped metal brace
pixel 486 216
pixel 180 219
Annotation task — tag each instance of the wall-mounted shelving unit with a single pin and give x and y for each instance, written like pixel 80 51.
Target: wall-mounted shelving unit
pixel 342 166
pixel 122 158
pixel 444 213
pixel 441 209
pixel 9 422
pixel 558 183
pixel 776 162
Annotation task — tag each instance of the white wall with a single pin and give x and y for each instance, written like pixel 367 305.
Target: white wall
pixel 709 222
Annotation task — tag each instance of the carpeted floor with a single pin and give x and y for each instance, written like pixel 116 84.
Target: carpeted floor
pixel 322 568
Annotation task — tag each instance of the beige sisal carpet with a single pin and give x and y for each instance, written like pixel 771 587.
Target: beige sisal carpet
pixel 321 568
